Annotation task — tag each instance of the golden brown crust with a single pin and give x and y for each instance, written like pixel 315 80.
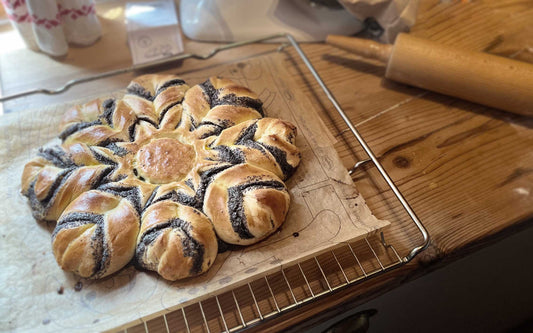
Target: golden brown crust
pixel 175 240
pixel 195 105
pixel 51 188
pixel 82 113
pixel 170 96
pixel 30 172
pixel 267 143
pixel 142 107
pixel 218 104
pixel 164 160
pixel 246 204
pixel 96 235
pixel 80 154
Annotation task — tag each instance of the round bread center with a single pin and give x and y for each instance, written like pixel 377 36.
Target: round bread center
pixel 165 160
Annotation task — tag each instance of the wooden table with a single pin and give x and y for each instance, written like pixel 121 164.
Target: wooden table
pixel 466 170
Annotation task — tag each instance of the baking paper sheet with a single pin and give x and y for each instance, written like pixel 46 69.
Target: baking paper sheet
pixel 36 295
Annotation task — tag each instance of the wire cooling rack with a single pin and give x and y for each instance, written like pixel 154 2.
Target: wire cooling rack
pixel 290 287
pixel 277 293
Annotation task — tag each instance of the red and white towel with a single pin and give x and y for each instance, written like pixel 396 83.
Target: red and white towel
pixel 50 25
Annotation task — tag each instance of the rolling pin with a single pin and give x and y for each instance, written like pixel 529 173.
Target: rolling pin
pixel 478 77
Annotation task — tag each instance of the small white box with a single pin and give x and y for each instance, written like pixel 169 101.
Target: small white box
pixel 153 31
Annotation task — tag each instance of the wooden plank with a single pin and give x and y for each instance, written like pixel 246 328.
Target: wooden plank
pixel 465 168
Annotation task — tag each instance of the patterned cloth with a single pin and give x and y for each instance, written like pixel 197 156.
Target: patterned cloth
pixel 50 25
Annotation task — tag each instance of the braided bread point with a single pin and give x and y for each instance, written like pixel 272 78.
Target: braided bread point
pixel 81 154
pixel 96 235
pixel 246 204
pixel 221 117
pixel 178 192
pixel 152 96
pixel 176 241
pixel 267 143
pixel 217 104
pixel 82 113
pixel 149 99
pixel 96 122
pixel 52 181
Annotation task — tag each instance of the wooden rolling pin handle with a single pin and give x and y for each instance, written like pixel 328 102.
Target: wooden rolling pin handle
pixel 363 47
pixel 478 77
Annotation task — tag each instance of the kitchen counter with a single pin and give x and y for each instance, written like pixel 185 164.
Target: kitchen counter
pixel 465 169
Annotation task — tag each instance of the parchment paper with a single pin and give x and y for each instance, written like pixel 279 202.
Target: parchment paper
pixel 36 295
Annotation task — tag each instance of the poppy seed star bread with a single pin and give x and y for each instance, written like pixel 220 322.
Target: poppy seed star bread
pixel 159 176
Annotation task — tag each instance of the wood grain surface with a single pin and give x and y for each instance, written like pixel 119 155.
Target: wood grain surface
pixel 466 169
